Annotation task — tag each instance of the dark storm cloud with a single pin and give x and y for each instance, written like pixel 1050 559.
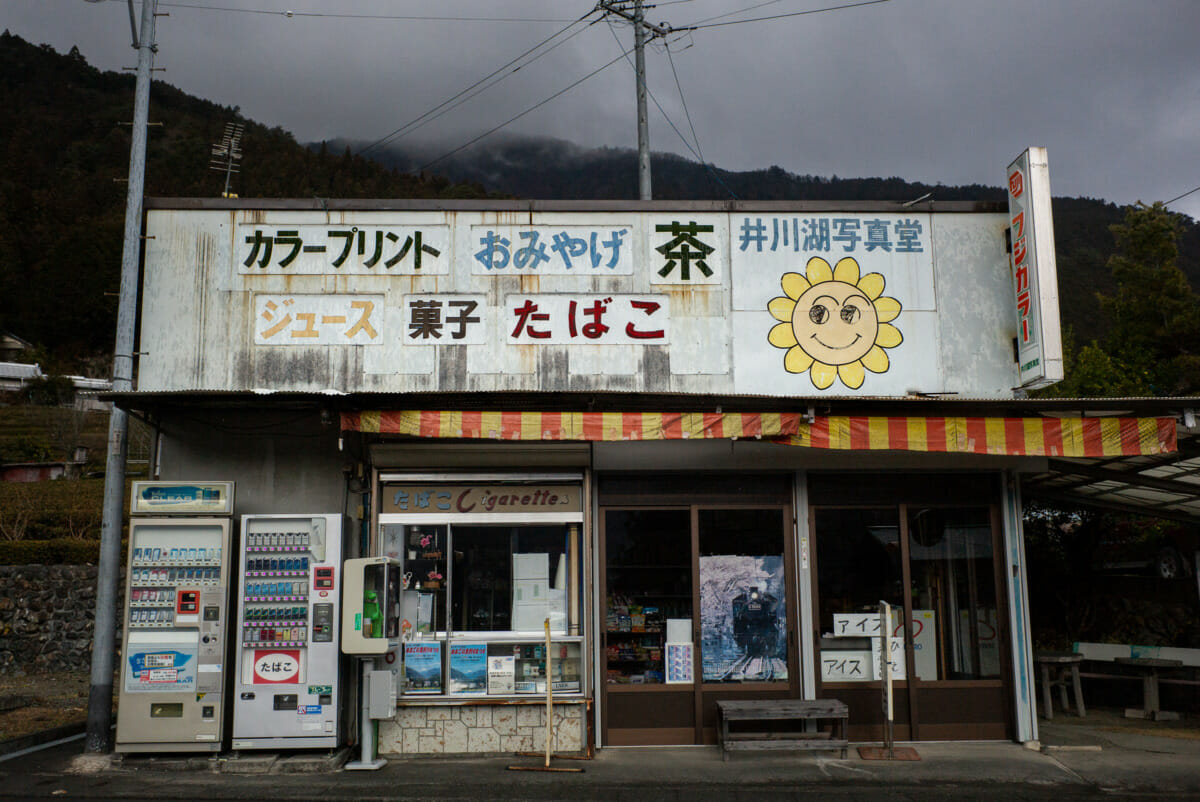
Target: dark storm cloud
pixel 929 90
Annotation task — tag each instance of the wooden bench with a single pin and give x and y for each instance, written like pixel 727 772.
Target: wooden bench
pixel 781 710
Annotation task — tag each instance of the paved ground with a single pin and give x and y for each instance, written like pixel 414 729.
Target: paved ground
pixel 1102 755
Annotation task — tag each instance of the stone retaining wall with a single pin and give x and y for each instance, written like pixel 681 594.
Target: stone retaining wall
pixel 482 728
pixel 46 617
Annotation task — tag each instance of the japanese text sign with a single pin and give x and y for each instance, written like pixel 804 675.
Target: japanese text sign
pixel 1034 274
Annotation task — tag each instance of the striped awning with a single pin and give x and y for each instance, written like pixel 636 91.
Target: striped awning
pixel 1051 437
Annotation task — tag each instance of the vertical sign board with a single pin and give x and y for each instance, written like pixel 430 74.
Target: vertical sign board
pixel 1035 277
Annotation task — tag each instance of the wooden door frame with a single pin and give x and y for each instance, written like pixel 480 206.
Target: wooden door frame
pixel 791 601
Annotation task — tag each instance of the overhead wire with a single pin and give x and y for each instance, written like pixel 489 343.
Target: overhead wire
pixel 516 117
pixel 335 15
pixel 695 137
pixel 702 25
pixel 695 151
pixel 450 103
pixel 1181 197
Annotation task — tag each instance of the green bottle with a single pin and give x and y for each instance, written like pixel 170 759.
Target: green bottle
pixel 372 621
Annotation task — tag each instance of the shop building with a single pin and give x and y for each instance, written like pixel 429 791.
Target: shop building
pixel 702 440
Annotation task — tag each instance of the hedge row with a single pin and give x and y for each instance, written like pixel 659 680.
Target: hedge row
pixel 51 510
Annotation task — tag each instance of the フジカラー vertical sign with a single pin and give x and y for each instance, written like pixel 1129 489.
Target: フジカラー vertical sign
pixel 1035 277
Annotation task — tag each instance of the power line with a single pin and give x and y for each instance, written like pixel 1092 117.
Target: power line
pixel 1181 197
pixel 449 104
pixel 739 11
pixel 695 151
pixel 534 107
pixel 688 114
pixel 330 15
pixel 699 26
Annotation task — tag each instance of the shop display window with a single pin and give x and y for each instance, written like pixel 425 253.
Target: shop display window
pixel 475 603
pixel 649 600
pixel 864 556
pixel 953 584
pixel 743 599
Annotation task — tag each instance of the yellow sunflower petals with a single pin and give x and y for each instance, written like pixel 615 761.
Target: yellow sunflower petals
pixel 822 375
pixel 794 285
pixel 887 309
pixel 818 270
pixel 852 374
pixel 782 336
pixel 871 285
pixel 796 360
pixel 846 271
pixel 889 336
pixel 781 308
pixel 876 360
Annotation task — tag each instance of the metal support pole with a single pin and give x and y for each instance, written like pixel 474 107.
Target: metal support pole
pixel 99 715
pixel 639 42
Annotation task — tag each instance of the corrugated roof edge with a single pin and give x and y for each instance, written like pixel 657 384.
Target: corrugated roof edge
pixel 435 205
pixel 823 405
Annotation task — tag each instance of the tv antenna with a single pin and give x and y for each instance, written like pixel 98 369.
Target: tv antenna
pixel 227 154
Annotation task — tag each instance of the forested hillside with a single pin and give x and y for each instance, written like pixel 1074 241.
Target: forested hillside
pixel 64 150
pixel 65 155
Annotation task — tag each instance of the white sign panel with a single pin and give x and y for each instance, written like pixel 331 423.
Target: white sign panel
pixel 1034 272
pixel 588 319
pixel 387 249
pixel 318 319
pixel 566 250
pixel 763 300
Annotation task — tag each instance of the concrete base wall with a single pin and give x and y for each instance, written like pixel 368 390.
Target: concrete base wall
pixel 444 729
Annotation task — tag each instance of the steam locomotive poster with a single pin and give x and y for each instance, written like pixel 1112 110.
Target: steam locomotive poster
pixel 743 620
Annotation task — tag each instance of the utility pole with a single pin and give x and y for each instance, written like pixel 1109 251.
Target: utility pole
pixel 639 60
pixel 640 27
pixel 100 694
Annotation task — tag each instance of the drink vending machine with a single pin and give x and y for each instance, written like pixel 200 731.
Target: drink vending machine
pixel 287 684
pixel 173 646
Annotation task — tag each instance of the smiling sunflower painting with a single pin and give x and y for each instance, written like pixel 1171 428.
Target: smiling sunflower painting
pixel 835 323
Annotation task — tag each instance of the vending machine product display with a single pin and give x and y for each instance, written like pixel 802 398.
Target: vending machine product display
pixel 173 647
pixel 288 680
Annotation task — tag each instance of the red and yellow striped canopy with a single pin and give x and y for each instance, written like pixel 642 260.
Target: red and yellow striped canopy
pixel 1050 437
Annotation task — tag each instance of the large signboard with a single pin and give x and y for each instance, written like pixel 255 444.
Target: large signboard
pixel 764 300
pixel 1035 276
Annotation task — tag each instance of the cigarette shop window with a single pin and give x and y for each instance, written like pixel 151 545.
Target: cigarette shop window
pixel 476 600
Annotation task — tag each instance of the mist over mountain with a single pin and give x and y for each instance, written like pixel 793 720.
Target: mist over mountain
pixel 546 168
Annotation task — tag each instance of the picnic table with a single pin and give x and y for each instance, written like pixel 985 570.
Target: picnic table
pixel 1149 667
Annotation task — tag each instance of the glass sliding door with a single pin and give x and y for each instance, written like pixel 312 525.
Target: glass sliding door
pixel 698 600
pixel 935 566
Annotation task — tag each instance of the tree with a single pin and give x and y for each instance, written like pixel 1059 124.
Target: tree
pixel 1152 344
pixel 1155 314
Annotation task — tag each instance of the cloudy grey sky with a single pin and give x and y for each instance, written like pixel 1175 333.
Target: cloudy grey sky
pixel 929 90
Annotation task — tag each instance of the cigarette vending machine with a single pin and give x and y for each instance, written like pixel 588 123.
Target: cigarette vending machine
pixel 173 646
pixel 287 684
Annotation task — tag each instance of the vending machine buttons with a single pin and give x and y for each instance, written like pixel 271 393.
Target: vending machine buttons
pixel 323 579
pixel 188 602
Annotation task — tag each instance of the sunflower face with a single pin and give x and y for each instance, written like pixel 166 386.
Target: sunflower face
pixel 835 323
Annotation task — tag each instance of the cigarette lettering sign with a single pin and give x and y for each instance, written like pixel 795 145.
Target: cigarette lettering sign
pixel 277 667
pixel 476 499
pixel 1035 277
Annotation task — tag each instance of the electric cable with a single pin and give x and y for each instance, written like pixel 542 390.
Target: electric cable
pixel 334 15
pixel 513 119
pixel 445 106
pixel 695 152
pixel 695 137
pixel 699 26
pixel 1181 197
